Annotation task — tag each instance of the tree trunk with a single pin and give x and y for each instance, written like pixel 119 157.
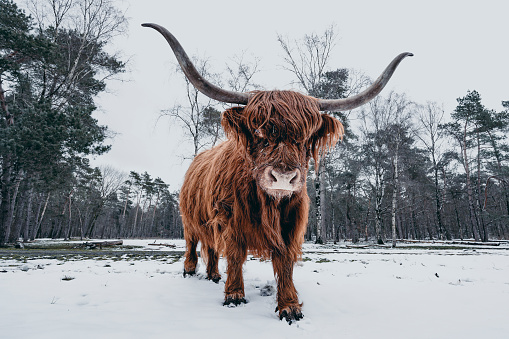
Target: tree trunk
pixel 11 208
pixel 29 215
pixel 122 223
pixel 136 214
pixel 471 207
pixel 155 210
pixel 41 217
pixel 482 227
pixel 496 151
pixel 92 219
pixel 17 222
pixel 80 219
pixel 68 232
pixel 6 199
pixel 378 205
pixel 318 200
pixel 323 204
pixel 442 230
pixel 395 177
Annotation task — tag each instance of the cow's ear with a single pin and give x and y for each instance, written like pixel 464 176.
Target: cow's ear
pixel 329 133
pixel 234 124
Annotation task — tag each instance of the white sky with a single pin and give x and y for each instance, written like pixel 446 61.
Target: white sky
pixel 458 46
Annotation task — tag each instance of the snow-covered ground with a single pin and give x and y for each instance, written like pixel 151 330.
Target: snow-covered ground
pixel 347 293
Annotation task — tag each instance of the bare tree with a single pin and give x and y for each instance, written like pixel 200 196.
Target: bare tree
pixel 240 73
pixel 98 20
pixel 430 116
pixel 199 116
pixel 89 24
pixel 307 58
pixel 112 180
pixel 400 121
pixel 192 115
pixel 382 127
pixel 107 183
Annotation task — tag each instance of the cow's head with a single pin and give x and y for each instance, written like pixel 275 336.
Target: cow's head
pixel 279 131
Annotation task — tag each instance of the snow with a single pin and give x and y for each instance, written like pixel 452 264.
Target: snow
pixel 347 293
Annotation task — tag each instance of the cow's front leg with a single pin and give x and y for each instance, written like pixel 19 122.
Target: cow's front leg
pixel 234 287
pixel 287 299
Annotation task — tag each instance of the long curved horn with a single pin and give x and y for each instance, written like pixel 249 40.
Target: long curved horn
pixel 365 96
pixel 207 88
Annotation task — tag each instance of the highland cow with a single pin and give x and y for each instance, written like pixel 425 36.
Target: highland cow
pixel 248 194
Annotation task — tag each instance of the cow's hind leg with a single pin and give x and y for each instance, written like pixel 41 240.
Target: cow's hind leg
pixel 191 256
pixel 234 287
pixel 212 264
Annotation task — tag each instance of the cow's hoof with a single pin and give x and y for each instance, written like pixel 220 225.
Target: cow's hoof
pixel 186 273
pixel 214 277
pixel 291 314
pixel 233 301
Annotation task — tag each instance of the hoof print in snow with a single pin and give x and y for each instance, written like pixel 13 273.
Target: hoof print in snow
pixel 234 301
pixel 267 291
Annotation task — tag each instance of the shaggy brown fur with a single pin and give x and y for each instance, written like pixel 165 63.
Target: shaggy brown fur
pixel 226 205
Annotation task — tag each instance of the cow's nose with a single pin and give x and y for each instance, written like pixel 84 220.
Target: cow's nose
pixel 286 179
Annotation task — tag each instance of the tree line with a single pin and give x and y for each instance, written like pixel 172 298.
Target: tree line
pixel 53 64
pixel 404 170
pixel 407 170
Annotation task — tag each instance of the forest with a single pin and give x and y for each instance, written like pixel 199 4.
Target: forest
pixel 404 170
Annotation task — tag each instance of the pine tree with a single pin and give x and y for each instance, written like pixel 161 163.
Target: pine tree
pixel 49 78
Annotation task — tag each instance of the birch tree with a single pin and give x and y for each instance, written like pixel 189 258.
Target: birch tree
pixel 382 122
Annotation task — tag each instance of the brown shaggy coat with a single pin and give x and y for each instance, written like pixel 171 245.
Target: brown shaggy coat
pixel 225 202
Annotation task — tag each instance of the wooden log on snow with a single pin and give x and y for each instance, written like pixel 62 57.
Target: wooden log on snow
pixel 474 243
pixel 452 242
pixel 161 244
pixel 95 244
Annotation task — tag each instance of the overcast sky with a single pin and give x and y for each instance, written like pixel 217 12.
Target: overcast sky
pixel 458 46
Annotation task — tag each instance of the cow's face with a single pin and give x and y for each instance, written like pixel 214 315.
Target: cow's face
pixel 278 132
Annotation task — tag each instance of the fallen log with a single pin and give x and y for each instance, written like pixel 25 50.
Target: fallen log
pixel 95 244
pixel 475 243
pixel 161 244
pixel 452 242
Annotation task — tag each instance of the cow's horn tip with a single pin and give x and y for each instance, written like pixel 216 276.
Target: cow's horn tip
pixel 147 25
pixel 410 54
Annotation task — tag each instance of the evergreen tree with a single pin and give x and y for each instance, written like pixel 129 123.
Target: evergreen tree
pixel 477 132
pixel 49 79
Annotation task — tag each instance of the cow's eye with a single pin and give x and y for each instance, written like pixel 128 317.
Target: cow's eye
pixel 258 133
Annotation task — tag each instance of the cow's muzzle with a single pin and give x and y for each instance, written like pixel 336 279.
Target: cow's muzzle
pixel 281 183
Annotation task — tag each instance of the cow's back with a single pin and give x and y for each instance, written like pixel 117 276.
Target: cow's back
pixel 208 188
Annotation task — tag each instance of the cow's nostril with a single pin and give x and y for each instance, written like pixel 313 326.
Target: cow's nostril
pixel 288 178
pixel 273 175
pixel 295 178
